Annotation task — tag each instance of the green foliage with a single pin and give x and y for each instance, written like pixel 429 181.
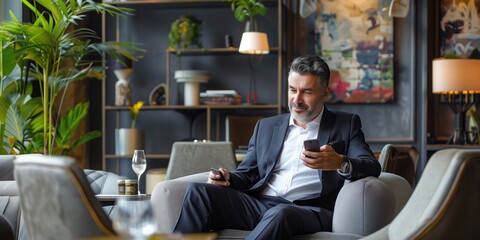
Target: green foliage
pixel 185 31
pixel 247 10
pixel 66 126
pixel 475 54
pixel 56 52
pixel 22 119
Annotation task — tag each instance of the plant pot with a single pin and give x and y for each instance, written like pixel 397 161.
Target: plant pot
pixel 127 140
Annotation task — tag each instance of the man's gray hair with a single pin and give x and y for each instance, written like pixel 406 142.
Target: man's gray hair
pixel 314 65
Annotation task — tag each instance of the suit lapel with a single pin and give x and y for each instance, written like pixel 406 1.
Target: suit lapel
pixel 274 149
pixel 276 145
pixel 326 126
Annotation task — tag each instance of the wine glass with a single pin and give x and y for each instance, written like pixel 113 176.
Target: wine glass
pixel 134 218
pixel 139 164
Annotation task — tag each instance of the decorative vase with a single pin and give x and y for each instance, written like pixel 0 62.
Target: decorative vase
pixel 123 89
pixel 128 139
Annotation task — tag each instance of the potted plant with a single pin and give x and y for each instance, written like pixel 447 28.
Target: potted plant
pixel 246 10
pixel 54 51
pixel 129 139
pixel 185 31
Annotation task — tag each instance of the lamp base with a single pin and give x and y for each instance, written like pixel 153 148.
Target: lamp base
pixel 459 136
pixel 460 103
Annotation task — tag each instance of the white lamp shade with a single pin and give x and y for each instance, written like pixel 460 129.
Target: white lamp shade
pixel 456 75
pixel 254 43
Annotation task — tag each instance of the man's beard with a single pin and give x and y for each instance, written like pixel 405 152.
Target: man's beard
pixel 312 112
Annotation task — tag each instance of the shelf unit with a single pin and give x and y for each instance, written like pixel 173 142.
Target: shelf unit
pixel 212 112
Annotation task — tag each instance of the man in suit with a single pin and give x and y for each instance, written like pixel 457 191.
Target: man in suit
pixel 280 189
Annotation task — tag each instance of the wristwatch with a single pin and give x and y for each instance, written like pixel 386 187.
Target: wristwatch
pixel 346 167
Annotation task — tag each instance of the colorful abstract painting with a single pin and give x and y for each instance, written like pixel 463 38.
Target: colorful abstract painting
pixel 459 27
pixel 355 37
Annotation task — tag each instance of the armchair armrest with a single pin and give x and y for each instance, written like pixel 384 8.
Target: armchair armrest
pixel 366 205
pixel 167 198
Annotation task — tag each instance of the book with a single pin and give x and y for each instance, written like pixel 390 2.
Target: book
pixel 218 92
pixel 222 100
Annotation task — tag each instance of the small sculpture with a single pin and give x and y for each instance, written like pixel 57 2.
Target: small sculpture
pixel 123 89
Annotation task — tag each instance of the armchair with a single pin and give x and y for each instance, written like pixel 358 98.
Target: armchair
pixel 57 201
pixel 11 216
pixel 195 157
pixel 362 207
pixel 445 203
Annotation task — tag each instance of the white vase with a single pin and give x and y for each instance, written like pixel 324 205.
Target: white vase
pixel 123 89
pixel 127 140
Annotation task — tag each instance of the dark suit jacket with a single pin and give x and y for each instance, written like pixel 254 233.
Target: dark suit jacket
pixel 266 146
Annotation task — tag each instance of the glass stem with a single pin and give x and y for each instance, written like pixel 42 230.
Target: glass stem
pixel 138 186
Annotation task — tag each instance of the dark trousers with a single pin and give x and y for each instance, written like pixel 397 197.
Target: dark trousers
pixel 207 207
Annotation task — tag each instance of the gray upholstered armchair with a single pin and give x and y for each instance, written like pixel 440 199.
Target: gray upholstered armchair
pixel 445 203
pixel 382 198
pixel 11 222
pixel 57 201
pixel 193 157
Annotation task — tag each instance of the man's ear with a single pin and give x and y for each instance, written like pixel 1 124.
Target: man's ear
pixel 326 93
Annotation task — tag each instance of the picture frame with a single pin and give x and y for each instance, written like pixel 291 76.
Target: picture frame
pixel 356 40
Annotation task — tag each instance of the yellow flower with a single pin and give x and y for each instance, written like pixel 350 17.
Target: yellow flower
pixel 135 110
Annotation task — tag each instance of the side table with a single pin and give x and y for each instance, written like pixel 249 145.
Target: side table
pixel 110 199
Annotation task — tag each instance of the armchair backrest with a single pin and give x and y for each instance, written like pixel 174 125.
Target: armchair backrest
pixel 102 182
pixel 194 157
pixel 57 201
pixel 6 167
pixel 445 203
pixel 401 160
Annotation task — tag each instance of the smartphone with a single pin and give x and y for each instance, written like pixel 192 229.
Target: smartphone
pixel 216 171
pixel 312 145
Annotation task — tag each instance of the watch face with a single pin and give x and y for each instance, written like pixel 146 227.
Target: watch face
pixel 345 168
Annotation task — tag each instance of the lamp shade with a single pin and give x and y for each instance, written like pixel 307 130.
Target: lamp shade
pixel 456 75
pixel 254 43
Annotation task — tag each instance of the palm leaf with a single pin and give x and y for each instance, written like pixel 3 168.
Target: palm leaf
pixel 83 139
pixel 7 60
pixel 69 123
pixel 17 113
pixel 57 56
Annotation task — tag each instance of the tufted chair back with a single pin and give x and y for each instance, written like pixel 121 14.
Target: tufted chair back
pixel 102 182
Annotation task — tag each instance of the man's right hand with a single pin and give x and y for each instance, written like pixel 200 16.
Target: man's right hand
pixel 214 178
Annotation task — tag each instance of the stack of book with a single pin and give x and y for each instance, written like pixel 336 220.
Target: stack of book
pixel 224 97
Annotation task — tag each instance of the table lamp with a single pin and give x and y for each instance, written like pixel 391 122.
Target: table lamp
pixel 253 43
pixel 458 79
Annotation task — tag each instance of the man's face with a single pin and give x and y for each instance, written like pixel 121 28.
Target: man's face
pixel 305 97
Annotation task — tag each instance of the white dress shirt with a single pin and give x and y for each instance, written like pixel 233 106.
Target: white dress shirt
pixel 291 179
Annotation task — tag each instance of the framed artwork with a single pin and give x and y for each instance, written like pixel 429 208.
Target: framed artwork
pixel 459 27
pixel 355 37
